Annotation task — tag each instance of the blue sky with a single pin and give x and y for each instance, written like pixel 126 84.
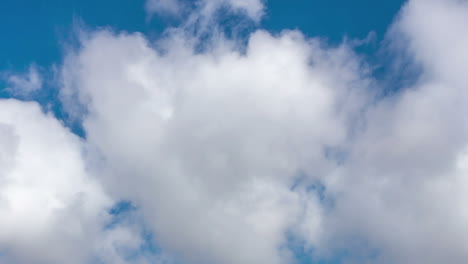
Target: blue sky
pixel 53 20
pixel 307 132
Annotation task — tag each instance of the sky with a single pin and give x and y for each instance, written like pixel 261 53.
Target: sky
pixel 233 132
pixel 48 24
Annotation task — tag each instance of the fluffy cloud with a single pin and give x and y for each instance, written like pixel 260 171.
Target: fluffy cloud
pixel 46 198
pixel 210 145
pixel 53 210
pixel 224 147
pixel 404 186
pixel 246 154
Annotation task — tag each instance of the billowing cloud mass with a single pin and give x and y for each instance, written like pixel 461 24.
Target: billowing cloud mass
pixel 47 200
pixel 216 142
pixel 53 209
pixel 244 155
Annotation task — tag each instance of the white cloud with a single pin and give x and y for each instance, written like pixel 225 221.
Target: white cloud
pixel 47 200
pixel 52 210
pixel 24 83
pixel 227 152
pixel 403 188
pixel 205 9
pixel 208 145
pixel 213 141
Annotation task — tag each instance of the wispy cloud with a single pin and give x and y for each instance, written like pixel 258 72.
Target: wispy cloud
pixel 23 83
pixel 253 9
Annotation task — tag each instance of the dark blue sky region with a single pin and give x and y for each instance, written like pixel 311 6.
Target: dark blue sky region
pixel 35 30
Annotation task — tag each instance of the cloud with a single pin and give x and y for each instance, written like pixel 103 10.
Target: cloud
pixel 47 199
pixel 216 140
pixel 171 7
pixel 209 144
pixel 24 83
pixel 245 154
pixel 53 210
pixel 204 9
pixel 403 186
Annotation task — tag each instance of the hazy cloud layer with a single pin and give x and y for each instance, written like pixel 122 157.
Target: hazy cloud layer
pixel 244 155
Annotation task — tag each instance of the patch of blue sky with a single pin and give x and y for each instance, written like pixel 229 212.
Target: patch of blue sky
pixel 125 213
pixel 304 254
pixel 34 31
pixel 337 20
pixel 121 211
pixel 332 19
pixel 315 188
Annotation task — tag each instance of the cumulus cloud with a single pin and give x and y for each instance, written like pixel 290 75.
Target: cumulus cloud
pixel 47 199
pixel 209 145
pixel 224 147
pixel 53 210
pixel 245 154
pixel 404 185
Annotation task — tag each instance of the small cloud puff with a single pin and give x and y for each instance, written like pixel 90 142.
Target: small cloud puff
pixel 23 84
